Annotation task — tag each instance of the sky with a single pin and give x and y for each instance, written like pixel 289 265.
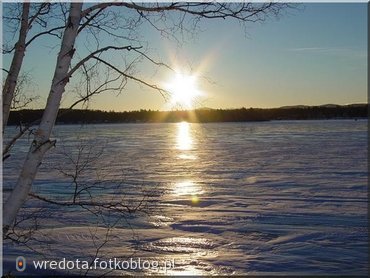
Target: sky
pixel 313 55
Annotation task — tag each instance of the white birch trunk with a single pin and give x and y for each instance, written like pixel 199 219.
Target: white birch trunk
pixel 41 142
pixel 15 67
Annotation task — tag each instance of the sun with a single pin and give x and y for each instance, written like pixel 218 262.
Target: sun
pixel 184 90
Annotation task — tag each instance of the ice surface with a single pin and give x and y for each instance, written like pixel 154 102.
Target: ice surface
pixel 242 198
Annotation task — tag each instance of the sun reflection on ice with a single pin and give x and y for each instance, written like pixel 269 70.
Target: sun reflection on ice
pixel 187 156
pixel 184 138
pixel 184 141
pixel 188 189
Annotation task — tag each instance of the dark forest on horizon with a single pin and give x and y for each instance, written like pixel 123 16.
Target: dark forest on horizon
pixel 80 116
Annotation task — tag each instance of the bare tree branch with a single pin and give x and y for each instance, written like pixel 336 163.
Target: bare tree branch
pixel 89 19
pixel 244 11
pixel 91 55
pixel 41 11
pixel 47 32
pixel 162 91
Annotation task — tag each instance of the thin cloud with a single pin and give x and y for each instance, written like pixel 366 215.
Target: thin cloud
pixel 308 49
pixel 337 51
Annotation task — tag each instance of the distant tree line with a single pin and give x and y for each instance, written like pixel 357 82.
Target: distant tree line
pixel 199 115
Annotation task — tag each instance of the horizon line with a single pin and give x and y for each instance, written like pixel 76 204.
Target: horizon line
pixel 208 108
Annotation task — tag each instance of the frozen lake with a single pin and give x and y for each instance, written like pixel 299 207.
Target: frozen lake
pixel 281 197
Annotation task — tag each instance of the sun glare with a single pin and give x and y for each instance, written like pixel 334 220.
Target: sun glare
pixel 184 90
pixel 184 139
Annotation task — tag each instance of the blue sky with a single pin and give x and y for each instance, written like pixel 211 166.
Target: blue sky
pixel 314 55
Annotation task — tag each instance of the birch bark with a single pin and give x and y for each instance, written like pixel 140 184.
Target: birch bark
pixel 41 142
pixel 15 67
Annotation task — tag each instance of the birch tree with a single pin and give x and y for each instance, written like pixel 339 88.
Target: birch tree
pixel 78 20
pixel 11 80
pixel 28 22
pixel 30 15
pixel 41 142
